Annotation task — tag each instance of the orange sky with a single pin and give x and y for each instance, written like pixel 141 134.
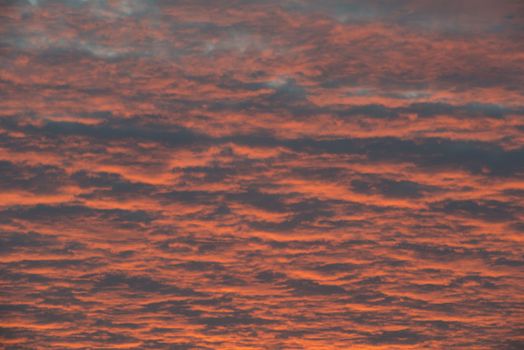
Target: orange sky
pixel 261 174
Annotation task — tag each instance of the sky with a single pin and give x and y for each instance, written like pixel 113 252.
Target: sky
pixel 251 174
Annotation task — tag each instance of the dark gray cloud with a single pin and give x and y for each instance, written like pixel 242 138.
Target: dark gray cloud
pixel 309 287
pixel 38 179
pixel 489 210
pixel 139 284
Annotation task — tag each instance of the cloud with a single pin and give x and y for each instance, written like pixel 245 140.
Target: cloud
pixel 486 210
pixel 261 174
pixel 139 284
pixel 308 287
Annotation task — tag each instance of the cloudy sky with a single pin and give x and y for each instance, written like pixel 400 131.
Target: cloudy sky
pixel 262 174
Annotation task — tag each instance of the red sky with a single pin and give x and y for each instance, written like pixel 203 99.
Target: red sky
pixel 252 174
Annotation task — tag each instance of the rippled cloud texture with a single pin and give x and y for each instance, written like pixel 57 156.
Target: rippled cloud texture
pixel 252 174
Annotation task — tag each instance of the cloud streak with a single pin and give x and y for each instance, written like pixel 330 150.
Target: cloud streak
pixel 261 174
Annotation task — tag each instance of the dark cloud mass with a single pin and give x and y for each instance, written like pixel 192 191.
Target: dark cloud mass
pixel 254 174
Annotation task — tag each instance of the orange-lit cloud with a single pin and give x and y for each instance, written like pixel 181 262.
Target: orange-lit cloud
pixel 261 174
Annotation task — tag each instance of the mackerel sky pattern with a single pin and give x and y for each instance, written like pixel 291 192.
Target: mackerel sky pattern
pixel 262 174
